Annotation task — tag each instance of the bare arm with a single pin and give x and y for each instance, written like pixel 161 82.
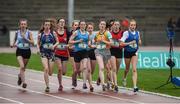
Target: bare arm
pixel 57 41
pixel 107 42
pixel 72 41
pixel 15 39
pixel 90 44
pixel 30 40
pixel 140 41
pixel 38 42
pixel 127 43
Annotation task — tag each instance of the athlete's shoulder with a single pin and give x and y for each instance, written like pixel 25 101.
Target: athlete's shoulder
pixel 126 32
pixel 108 32
pixel 17 31
pixel 137 31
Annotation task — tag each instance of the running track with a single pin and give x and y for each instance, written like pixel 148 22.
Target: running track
pixel 34 93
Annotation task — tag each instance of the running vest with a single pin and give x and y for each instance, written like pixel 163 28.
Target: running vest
pixel 21 42
pixel 91 39
pixel 115 38
pixel 61 48
pixel 133 47
pixel 47 41
pixel 82 45
pixel 102 45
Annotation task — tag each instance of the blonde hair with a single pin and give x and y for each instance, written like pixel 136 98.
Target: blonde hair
pixel 132 20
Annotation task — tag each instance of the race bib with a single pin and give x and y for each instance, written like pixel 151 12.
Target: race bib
pixel 82 45
pixel 23 45
pixel 115 43
pixel 62 46
pixel 47 45
pixel 101 46
pixel 133 45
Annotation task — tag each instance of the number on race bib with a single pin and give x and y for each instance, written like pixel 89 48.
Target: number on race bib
pixel 133 45
pixel 26 45
pixel 100 46
pixel 115 43
pixel 47 46
pixel 23 45
pixel 61 46
pixel 82 45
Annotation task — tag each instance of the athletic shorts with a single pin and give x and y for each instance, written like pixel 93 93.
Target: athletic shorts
pixel 105 53
pixel 25 53
pixel 91 54
pixel 49 55
pixel 72 53
pixel 128 54
pixel 79 55
pixel 61 58
pixel 117 52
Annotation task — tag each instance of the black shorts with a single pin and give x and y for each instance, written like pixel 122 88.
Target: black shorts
pixel 25 53
pixel 72 53
pixel 61 58
pixel 128 54
pixel 117 52
pixel 91 54
pixel 78 56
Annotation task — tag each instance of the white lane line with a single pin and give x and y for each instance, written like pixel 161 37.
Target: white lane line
pixel 95 93
pixel 14 101
pixel 57 97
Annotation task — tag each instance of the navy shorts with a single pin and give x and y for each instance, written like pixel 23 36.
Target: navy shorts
pixel 128 54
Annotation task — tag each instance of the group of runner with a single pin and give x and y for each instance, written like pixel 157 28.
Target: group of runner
pixel 84 48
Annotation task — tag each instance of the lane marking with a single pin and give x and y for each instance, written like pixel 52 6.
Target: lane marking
pixel 57 97
pixel 95 93
pixel 14 101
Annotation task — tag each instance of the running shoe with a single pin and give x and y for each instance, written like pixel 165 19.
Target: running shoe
pixel 24 85
pixel 60 88
pixel 74 82
pixel 91 89
pixel 136 89
pixel 47 89
pixel 98 81
pixel 104 87
pixel 19 82
pixel 116 89
pixel 108 85
pixel 124 83
pixel 84 86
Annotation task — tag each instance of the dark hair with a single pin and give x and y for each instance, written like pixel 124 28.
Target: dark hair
pixel 90 23
pixel 42 26
pixel 23 19
pixel 171 23
pixel 65 27
pixel 82 21
pixel 108 24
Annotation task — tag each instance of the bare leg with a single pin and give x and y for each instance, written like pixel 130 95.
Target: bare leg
pixel 46 70
pixel 101 68
pixel 134 69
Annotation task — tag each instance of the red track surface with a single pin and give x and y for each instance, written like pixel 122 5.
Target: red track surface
pixel 34 93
